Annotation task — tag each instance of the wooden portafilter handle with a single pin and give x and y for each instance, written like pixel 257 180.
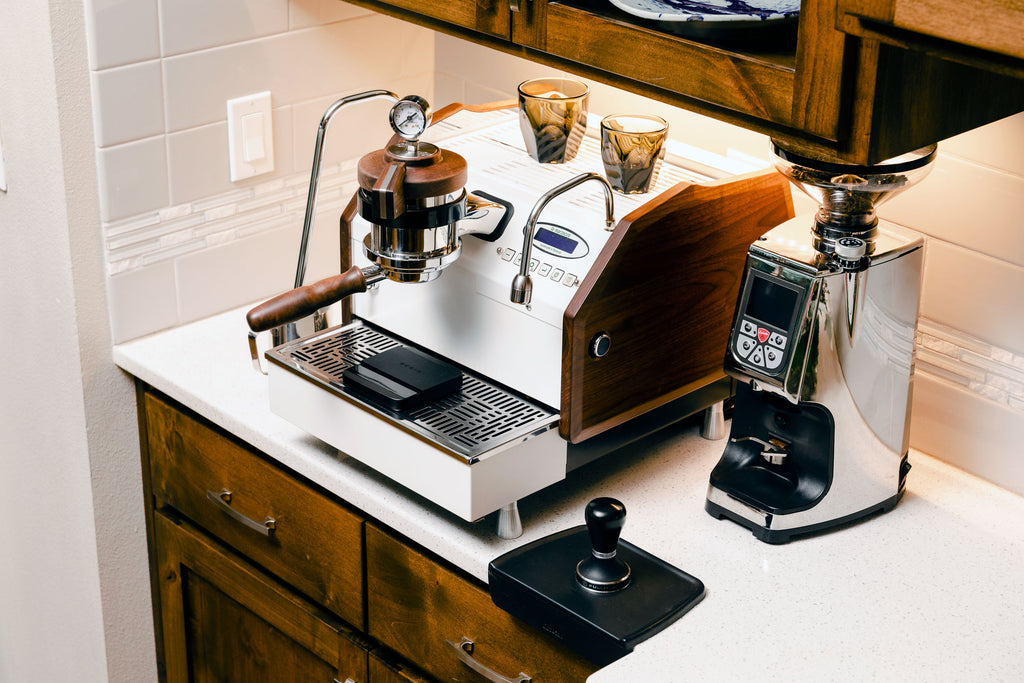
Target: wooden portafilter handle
pixel 603 571
pixel 302 301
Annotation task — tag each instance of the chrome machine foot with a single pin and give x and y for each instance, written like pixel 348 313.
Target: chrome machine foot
pixel 714 422
pixel 509 524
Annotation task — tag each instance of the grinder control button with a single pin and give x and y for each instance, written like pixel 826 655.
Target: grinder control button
pixel 777 340
pixel 744 345
pixel 757 356
pixel 508 254
pixel 772 358
pixel 748 328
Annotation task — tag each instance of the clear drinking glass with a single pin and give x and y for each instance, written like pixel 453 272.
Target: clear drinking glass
pixel 553 117
pixel 632 147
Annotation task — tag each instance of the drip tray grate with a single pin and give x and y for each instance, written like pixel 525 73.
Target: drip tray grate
pixel 477 419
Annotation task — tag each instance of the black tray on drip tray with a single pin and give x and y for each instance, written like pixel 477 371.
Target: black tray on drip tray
pixel 402 378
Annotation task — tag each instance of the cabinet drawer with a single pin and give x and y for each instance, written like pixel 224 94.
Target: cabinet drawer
pixel 316 545
pixel 425 611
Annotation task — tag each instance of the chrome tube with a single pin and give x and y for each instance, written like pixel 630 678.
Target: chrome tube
pixel 314 180
pixel 522 284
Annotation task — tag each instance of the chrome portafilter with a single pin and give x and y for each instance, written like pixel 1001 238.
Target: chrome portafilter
pixel 848 195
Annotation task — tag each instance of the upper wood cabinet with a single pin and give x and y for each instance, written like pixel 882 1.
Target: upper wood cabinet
pixel 989 33
pixel 831 89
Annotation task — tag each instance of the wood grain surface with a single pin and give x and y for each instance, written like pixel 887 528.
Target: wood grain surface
pixel 663 289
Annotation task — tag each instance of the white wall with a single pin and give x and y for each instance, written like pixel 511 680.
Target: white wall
pixel 111 116
pixel 969 394
pixel 50 580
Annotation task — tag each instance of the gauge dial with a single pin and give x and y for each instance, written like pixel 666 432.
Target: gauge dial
pixel 410 117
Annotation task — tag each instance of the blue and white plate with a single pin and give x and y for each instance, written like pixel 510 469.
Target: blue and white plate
pixel 710 10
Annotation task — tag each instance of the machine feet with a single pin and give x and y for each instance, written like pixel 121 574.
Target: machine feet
pixel 714 422
pixel 509 524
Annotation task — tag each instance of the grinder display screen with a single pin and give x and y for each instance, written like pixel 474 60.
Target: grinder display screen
pixel 553 239
pixel 771 302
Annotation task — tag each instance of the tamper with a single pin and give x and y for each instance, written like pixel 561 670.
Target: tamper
pixel 603 571
pixel 599 606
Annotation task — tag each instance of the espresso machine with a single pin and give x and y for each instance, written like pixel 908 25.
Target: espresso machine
pixel 481 361
pixel 822 348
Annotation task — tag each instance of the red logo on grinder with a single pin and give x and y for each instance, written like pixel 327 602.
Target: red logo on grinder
pixel 762 335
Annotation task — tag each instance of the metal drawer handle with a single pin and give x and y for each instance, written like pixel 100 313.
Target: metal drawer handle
pixel 223 501
pixel 464 651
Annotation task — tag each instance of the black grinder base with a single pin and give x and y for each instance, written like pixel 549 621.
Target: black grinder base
pixel 537 584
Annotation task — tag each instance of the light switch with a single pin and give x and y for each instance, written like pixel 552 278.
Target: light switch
pixel 250 136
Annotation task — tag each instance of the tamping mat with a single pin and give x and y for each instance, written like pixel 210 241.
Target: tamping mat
pixel 537 584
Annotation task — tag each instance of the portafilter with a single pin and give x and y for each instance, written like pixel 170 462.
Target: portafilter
pixel 413 195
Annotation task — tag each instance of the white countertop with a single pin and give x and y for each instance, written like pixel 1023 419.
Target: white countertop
pixel 932 591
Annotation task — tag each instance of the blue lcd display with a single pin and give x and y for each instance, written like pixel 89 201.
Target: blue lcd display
pixel 553 239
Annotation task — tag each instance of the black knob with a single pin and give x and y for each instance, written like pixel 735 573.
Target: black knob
pixel 603 571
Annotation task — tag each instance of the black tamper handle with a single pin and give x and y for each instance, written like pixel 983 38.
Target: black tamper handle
pixel 605 519
pixel 602 572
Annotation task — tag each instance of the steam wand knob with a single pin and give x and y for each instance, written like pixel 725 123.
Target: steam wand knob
pixel 603 572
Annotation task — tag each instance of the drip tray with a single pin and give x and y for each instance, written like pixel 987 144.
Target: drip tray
pixel 471 419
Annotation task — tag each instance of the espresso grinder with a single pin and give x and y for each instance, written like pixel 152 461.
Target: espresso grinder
pixel 822 348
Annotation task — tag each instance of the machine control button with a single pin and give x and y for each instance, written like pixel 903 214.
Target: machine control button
pixel 557 274
pixel 777 340
pixel 544 269
pixel 600 344
pixel 757 356
pixel 570 280
pixel 533 264
pixel 519 260
pixel 772 358
pixel 508 254
pixel 744 345
pixel 748 328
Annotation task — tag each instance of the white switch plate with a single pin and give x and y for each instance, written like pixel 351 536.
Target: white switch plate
pixel 250 145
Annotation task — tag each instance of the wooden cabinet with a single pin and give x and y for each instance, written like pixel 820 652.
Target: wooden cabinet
pixel 433 616
pixel 224 620
pixel 830 93
pixel 259 575
pixel 989 33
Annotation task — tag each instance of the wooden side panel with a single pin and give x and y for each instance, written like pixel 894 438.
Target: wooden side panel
pixel 415 605
pixel 664 289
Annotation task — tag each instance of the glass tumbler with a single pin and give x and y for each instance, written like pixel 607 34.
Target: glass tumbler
pixel 632 147
pixel 553 117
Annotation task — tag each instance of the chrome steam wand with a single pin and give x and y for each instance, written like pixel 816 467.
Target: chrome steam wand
pixel 522 284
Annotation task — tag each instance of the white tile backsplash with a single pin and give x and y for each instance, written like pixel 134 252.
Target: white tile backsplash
pixel 189 25
pixel 128 104
pixel 306 13
pixel 974 292
pixel 121 31
pixel 132 178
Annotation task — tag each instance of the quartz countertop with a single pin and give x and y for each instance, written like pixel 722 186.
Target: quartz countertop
pixel 933 590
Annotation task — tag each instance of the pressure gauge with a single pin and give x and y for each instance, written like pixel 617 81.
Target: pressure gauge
pixel 410 117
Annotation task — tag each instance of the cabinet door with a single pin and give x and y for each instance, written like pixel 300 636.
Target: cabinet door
pixel 486 16
pixel 224 621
